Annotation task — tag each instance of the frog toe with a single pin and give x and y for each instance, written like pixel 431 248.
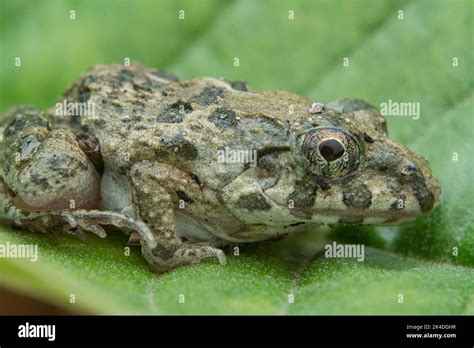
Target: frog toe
pixel 90 220
pixel 186 254
pixel 209 251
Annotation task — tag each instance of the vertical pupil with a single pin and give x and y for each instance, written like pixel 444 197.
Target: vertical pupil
pixel 331 149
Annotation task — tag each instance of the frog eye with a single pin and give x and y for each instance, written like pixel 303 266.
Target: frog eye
pixel 331 149
pixel 330 152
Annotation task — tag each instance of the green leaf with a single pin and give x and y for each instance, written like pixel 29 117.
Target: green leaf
pixel 259 281
pixel 429 264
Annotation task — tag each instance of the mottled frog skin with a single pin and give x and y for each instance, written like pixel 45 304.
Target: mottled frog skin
pixel 148 161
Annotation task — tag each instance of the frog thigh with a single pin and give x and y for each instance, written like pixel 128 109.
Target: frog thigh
pixel 45 169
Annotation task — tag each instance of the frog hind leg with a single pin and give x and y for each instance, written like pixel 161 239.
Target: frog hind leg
pixel 75 222
pixel 153 186
pixel 48 183
pixel 45 168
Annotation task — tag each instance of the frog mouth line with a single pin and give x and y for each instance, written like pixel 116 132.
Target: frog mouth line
pixel 359 214
pixel 350 214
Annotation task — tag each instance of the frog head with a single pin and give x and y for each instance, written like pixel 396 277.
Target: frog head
pixel 365 176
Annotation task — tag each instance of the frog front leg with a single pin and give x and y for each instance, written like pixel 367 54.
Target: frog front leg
pixel 154 184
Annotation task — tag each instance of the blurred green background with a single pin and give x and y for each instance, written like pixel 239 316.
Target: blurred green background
pixel 399 50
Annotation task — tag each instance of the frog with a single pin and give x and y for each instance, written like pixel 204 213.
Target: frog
pixel 167 161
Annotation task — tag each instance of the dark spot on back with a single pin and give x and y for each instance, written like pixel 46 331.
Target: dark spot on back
pixel 357 195
pixel 196 179
pixel 182 195
pixel 175 112
pixel 253 201
pixel 179 147
pixel 224 118
pixel 208 96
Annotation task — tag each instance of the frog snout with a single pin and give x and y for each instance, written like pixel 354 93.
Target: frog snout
pixel 417 175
